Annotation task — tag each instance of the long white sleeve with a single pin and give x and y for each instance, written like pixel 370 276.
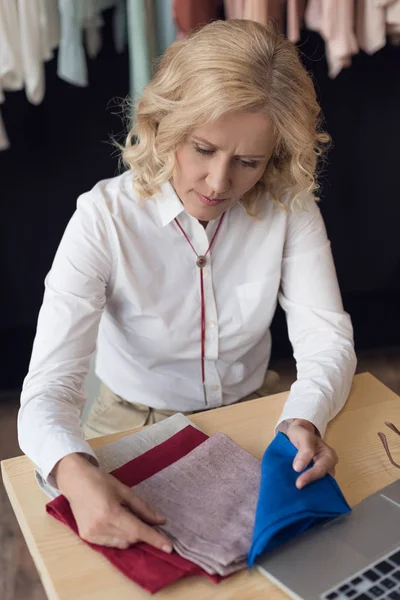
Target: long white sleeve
pixel 53 395
pixel 319 330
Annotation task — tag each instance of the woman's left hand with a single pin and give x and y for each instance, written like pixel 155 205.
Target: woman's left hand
pixel 310 448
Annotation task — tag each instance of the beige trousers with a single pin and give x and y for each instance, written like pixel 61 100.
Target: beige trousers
pixel 111 413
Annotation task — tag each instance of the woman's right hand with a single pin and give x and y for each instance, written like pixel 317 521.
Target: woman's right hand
pixel 106 511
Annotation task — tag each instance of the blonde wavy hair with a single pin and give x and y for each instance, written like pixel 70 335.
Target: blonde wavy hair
pixel 225 66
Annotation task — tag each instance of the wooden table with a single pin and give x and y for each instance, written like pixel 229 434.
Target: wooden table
pixel 70 570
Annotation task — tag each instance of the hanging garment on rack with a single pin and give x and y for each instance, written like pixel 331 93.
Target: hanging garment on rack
pixel 295 19
pixel 76 15
pixel 4 141
pixel 50 28
pixel 165 24
pixel 375 20
pixel 31 15
pixel 234 9
pixel 257 10
pixel 93 37
pixel 151 30
pixel 261 10
pixel 120 31
pixel 11 73
pixel 39 35
pixel 29 32
pixel 141 46
pixel 93 28
pixel 10 60
pixel 189 14
pixel 334 21
pixel 393 21
pixel 71 66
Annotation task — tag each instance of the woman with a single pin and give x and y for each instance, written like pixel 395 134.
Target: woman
pixel 176 266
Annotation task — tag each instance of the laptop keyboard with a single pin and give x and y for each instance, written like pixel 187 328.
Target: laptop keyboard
pixel 381 580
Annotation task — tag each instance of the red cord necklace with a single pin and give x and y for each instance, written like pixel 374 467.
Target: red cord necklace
pixel 201 263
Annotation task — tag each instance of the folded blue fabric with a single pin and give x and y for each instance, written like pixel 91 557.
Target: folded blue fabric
pixel 283 511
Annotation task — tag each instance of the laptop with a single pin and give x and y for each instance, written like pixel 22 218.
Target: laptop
pixel 353 557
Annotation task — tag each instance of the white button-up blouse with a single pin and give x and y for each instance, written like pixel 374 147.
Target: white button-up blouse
pixel 125 282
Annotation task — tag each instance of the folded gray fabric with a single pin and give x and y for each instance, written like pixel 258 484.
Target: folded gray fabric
pixel 114 455
pixel 209 499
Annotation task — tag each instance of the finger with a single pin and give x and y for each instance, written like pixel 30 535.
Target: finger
pixel 140 508
pixel 136 531
pixel 154 538
pixel 305 442
pixel 318 471
pixel 113 542
pixel 303 458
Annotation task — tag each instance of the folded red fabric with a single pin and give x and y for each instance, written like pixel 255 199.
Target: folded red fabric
pixel 147 566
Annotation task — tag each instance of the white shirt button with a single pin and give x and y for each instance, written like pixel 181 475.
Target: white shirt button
pixel 215 388
pixel 212 323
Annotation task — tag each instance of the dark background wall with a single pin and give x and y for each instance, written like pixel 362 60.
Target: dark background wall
pixel 62 148
pixel 360 196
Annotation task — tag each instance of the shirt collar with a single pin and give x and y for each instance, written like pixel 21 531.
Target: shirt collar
pixel 168 204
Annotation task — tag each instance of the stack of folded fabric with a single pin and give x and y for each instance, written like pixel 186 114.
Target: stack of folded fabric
pixel 209 499
pixel 223 508
pixel 206 487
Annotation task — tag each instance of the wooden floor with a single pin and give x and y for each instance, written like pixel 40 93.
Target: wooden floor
pixel 18 577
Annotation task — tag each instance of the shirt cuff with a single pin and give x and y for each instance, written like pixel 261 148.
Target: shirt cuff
pixel 51 453
pixel 313 409
pixel 284 425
